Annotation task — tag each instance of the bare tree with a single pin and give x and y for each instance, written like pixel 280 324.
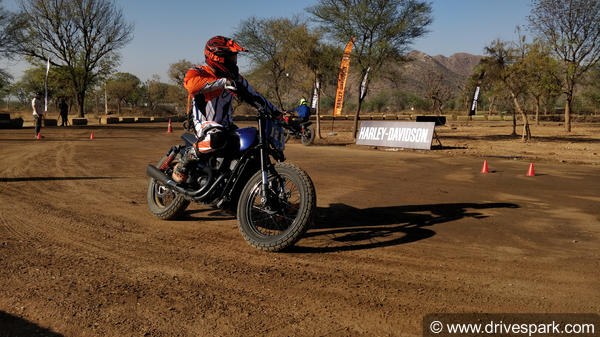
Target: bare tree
pixel 437 90
pixel 81 36
pixel 572 29
pixel 383 29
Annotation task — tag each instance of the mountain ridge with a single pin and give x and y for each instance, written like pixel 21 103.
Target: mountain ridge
pixel 453 70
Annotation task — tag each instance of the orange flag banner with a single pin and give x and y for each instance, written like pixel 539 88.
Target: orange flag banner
pixel 344 67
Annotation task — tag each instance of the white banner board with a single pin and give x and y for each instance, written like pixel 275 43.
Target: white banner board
pixel 410 135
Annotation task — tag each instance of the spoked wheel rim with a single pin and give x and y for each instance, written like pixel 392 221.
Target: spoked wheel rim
pixel 307 136
pixel 272 221
pixel 163 197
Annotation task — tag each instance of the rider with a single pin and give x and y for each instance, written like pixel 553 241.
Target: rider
pixel 303 113
pixel 213 88
pixel 302 110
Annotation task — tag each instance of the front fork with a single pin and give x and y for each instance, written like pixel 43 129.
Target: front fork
pixel 264 160
pixel 267 199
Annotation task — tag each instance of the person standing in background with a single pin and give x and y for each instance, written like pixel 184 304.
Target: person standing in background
pixel 63 107
pixel 38 111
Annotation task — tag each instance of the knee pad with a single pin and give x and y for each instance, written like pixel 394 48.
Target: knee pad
pixel 218 139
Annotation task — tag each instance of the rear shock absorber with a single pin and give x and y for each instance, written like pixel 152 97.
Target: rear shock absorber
pixel 170 156
pixel 167 162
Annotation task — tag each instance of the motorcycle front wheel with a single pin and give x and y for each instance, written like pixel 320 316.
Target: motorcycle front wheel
pixel 280 223
pixel 162 202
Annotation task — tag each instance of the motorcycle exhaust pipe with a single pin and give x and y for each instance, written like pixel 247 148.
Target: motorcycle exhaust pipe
pixel 166 181
pixel 157 174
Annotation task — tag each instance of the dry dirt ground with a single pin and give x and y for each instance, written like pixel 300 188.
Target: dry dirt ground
pixel 398 234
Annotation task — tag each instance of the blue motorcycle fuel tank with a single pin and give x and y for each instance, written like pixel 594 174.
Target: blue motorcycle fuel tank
pixel 247 137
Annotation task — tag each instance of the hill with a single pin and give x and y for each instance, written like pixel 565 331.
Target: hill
pixel 452 71
pixel 419 74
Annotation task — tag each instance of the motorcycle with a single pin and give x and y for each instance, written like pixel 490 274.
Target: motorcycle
pixel 274 201
pixel 303 131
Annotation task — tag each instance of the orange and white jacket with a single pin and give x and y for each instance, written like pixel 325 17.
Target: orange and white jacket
pixel 213 103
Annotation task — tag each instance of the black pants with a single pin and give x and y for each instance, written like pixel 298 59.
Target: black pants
pixel 38 124
pixel 296 122
pixel 64 118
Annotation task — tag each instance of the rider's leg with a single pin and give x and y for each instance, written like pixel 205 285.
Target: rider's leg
pixel 214 140
pixel 180 171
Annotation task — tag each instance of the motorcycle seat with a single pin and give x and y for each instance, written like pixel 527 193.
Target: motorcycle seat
pixel 189 139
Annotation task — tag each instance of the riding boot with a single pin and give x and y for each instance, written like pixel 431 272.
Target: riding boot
pixel 180 171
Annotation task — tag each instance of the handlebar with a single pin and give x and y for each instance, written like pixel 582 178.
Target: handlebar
pixel 261 108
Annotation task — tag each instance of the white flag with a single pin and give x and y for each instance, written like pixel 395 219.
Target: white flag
pixel 46 86
pixel 363 85
pixel 315 95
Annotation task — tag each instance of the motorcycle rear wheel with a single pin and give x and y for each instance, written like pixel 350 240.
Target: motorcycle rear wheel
pixel 308 137
pixel 283 224
pixel 162 202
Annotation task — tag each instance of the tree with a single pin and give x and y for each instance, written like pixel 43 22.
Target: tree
pixel 33 81
pixel 5 86
pixel 322 59
pixel 11 26
pixel 123 87
pixel 177 71
pixel 176 95
pixel 277 46
pixel 437 90
pixel 543 77
pixel 378 102
pixel 505 64
pixel 572 29
pixel 383 29
pixel 408 101
pixel 81 36
pixel 157 91
pixel 591 90
pixel 490 89
pixel 19 90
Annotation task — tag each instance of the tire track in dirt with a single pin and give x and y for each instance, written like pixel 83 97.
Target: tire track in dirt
pixel 23 181
pixel 104 266
pixel 14 228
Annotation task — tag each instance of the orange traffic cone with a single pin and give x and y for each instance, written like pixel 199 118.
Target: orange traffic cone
pixel 531 172
pixel 39 136
pixel 170 128
pixel 484 169
pixel 92 135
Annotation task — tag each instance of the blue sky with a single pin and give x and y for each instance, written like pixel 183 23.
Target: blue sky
pixel 168 31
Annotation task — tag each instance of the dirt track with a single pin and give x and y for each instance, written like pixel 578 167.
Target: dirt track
pixel 398 235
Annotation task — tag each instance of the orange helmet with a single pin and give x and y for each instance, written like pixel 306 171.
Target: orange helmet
pixel 216 51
